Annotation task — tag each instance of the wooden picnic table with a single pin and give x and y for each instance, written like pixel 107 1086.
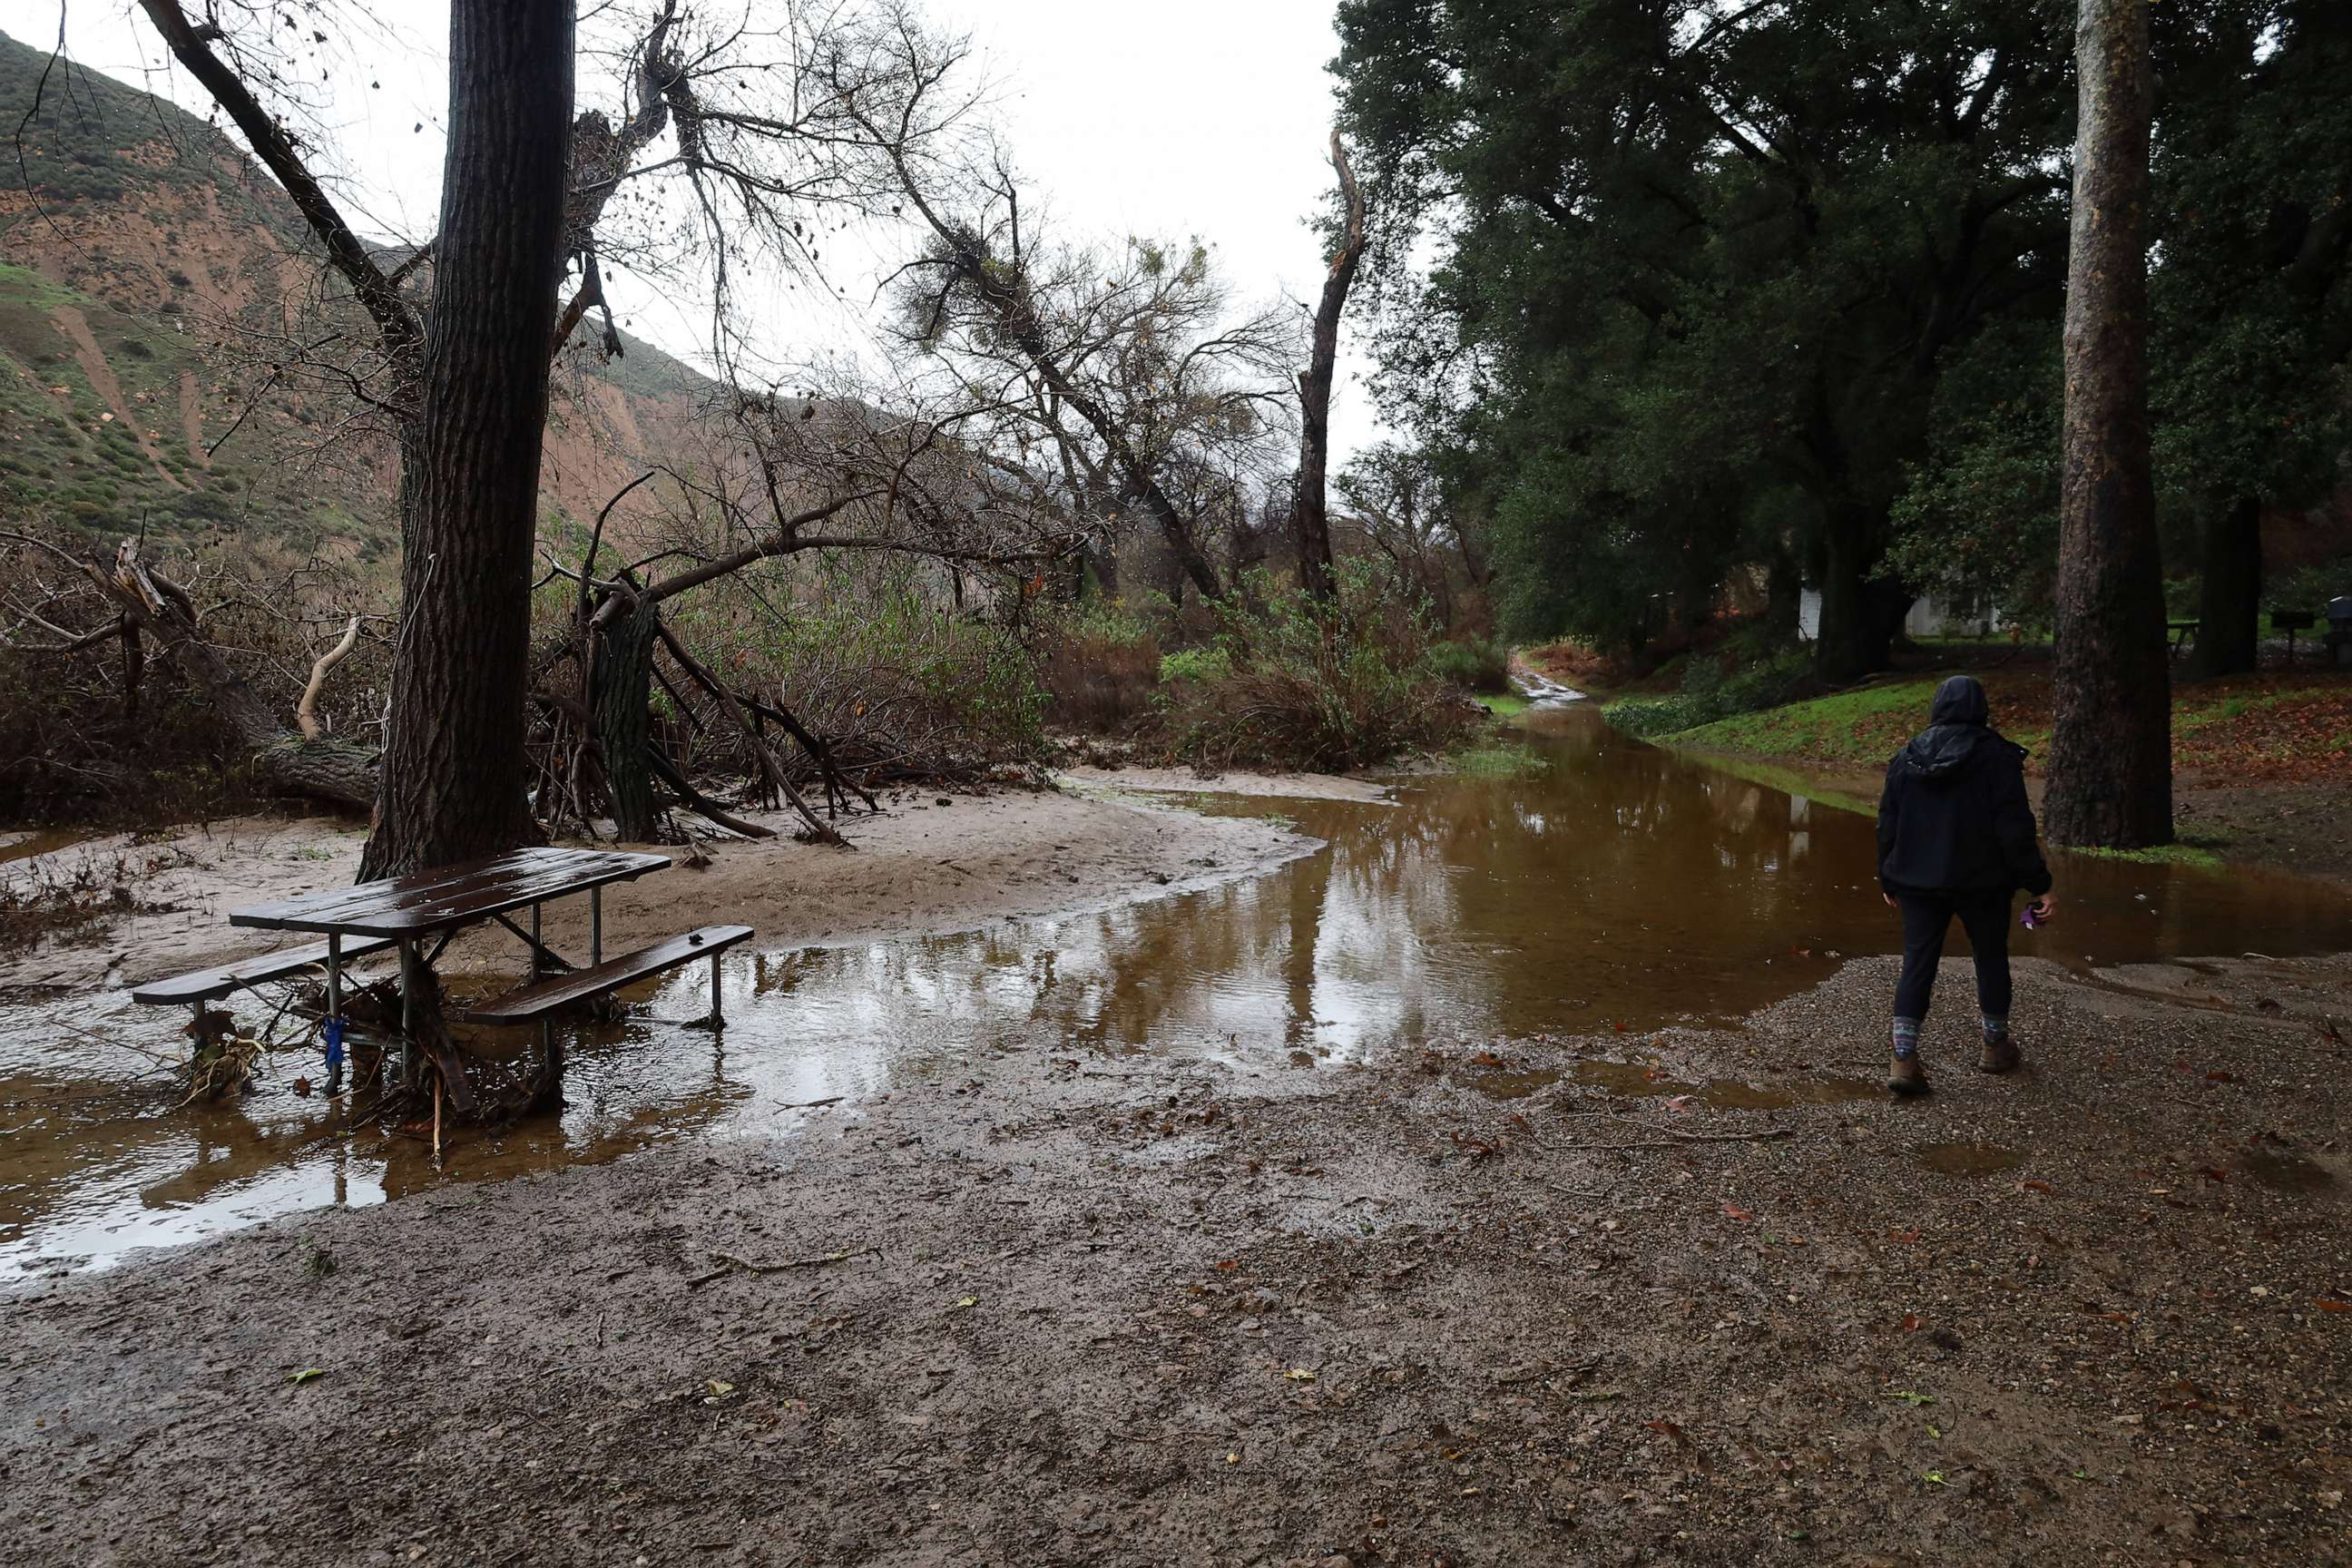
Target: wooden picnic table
pixel 435 905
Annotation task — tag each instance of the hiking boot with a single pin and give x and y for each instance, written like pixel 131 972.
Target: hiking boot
pixel 1908 1077
pixel 2000 1055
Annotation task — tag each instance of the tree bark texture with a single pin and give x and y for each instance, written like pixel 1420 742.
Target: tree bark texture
pixel 453 779
pixel 1310 522
pixel 623 666
pixel 2229 602
pixel 2111 751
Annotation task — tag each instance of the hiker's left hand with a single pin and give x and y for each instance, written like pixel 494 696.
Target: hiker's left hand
pixel 1890 899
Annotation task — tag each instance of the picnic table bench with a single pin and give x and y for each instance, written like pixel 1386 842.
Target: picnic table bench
pixel 212 985
pixel 2181 632
pixel 432 907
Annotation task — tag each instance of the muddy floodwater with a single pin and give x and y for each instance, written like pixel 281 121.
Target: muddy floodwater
pixel 1608 887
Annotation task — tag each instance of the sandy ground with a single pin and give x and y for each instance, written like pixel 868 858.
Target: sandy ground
pixel 921 867
pixel 1723 1303
pixel 1114 782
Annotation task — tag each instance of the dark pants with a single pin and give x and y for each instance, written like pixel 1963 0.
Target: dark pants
pixel 1925 919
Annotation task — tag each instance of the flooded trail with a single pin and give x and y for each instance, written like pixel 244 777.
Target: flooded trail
pixel 1610 886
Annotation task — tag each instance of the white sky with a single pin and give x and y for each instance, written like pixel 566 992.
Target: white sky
pixel 1130 116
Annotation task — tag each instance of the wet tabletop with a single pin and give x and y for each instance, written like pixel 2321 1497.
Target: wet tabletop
pixel 435 901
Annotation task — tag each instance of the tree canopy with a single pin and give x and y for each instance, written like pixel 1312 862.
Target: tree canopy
pixel 1685 293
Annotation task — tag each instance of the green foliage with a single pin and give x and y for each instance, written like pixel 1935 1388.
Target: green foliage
pixel 1100 662
pixel 1295 682
pixel 1754 679
pixel 1786 290
pixel 1200 666
pixel 1978 521
pixel 878 665
pixel 1475 664
pixel 1665 340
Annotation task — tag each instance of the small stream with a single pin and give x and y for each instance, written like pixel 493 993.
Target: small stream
pixel 1611 885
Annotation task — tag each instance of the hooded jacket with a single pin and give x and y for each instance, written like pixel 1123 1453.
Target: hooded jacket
pixel 1954 818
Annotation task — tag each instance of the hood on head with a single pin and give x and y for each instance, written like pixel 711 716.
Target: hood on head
pixel 1958 724
pixel 1960 701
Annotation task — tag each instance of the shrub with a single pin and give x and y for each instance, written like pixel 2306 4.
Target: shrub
pixel 1101 665
pixel 1475 664
pixel 1310 683
pixel 1198 665
pixel 1749 674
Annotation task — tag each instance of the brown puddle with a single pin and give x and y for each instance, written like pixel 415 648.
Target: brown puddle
pixel 1969 1159
pixel 1622 889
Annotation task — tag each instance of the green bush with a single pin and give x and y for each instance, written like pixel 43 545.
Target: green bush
pixel 1099 664
pixel 1196 664
pixel 1746 675
pixel 1475 664
pixel 1310 683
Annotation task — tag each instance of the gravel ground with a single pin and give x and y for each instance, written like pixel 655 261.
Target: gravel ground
pixel 1486 1304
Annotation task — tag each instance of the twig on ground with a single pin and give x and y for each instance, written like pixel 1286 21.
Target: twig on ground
pixel 730 1263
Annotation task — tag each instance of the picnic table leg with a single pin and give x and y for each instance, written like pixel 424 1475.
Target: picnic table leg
pixel 335 1005
pixel 595 925
pixel 551 1057
pixel 407 1014
pixel 534 942
pixel 715 1018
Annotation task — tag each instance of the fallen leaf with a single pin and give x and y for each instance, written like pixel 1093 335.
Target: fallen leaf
pixel 305 1375
pixel 718 1388
pixel 2214 1173
pixel 1299 1374
pixel 2329 1304
pixel 1908 1397
pixel 1736 1212
pixel 964 1302
pixel 2033 1186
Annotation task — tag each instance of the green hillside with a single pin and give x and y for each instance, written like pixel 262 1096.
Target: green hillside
pixel 145 268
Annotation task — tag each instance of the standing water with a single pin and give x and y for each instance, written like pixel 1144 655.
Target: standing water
pixel 1606 884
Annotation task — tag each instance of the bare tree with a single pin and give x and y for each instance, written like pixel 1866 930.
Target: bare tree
pixel 1310 527
pixel 749 135
pixel 1133 356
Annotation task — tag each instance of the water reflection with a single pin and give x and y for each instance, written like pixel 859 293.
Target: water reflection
pixel 1622 886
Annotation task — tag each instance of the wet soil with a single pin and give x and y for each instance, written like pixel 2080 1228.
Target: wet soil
pixel 1118 1309
pixel 1508 1182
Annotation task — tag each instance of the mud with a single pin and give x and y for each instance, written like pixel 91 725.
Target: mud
pixel 1092 1308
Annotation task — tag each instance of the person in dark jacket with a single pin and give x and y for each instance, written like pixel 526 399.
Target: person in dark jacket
pixel 1956 837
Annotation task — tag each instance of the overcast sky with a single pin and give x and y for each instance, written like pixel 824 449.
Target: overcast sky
pixel 1209 118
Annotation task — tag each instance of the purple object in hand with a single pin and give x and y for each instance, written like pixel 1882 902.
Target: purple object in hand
pixel 2027 920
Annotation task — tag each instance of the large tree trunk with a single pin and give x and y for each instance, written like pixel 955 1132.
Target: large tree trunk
pixel 1310 522
pixel 453 777
pixel 2110 752
pixel 620 677
pixel 2229 603
pixel 1855 636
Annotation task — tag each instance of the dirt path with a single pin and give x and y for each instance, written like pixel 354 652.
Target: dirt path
pixel 1095 1308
